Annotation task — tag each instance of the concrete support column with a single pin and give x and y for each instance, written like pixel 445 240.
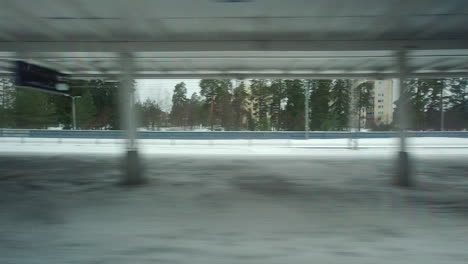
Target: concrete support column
pixel 403 177
pixel 133 172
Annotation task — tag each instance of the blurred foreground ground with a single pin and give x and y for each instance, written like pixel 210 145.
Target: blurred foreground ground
pixel 301 205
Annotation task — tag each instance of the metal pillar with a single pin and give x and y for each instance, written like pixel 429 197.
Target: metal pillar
pixel 133 172
pixel 306 109
pixel 403 177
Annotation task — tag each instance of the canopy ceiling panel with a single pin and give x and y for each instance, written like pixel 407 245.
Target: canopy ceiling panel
pixel 244 38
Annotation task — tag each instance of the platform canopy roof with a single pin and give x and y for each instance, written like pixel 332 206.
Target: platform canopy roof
pixel 237 38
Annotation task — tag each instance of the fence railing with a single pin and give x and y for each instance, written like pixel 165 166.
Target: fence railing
pixel 188 135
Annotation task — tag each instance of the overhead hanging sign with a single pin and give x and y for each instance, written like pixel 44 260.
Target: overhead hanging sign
pixel 39 77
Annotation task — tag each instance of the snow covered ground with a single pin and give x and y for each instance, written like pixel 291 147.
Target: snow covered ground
pixel 372 147
pixel 233 202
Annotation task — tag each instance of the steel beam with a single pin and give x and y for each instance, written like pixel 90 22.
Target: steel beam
pixel 234 75
pixel 240 45
pixel 287 75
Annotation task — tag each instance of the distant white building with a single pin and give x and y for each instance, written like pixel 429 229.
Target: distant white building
pixel 383 102
pixel 380 111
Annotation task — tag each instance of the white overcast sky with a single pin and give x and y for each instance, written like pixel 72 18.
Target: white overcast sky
pixel 161 90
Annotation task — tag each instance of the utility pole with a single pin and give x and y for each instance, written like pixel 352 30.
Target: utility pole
pixel 2 124
pixel 212 110
pixel 74 110
pixel 442 114
pixel 352 108
pixel 359 109
pixel 306 109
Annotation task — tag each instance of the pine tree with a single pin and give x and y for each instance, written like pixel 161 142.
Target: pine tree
pixel 340 102
pixel 210 89
pixel 418 92
pixel 433 107
pixel 278 96
pixel 217 94
pixel 63 110
pixel 239 107
pixel 32 109
pixel 85 111
pixel 457 114
pixel 261 98
pixel 179 105
pixel 363 99
pixel 194 110
pixel 152 115
pixel 7 95
pixel 251 123
pixel 63 104
pixel 293 113
pixel 105 99
pixel 319 103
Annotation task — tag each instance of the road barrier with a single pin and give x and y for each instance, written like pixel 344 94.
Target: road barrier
pixel 191 135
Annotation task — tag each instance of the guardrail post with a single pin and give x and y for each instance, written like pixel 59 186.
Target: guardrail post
pixel 403 178
pixel 133 173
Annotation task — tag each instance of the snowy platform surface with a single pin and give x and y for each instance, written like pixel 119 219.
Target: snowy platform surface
pixel 220 203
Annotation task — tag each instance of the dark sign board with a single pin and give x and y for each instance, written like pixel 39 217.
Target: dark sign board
pixel 35 76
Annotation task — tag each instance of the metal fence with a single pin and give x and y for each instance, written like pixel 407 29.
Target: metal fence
pixel 190 135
